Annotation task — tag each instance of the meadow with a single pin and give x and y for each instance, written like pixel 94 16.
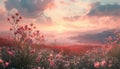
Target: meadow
pixel 19 51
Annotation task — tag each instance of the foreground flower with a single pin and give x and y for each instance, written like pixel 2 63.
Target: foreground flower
pixel 103 63
pixel 6 64
pixel 97 64
pixel 17 14
pixel 58 56
pixel 37 59
pixel 38 68
pixel 33 51
pixel 51 63
pixel 1 61
pixel 51 55
pixel 10 53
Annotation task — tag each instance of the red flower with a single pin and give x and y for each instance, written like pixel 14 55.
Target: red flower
pixel 42 36
pixel 29 28
pixel 10 29
pixel 17 14
pixel 15 33
pixel 37 59
pixel 33 51
pixel 21 28
pixel 8 19
pixel 31 24
pixel 26 26
pixel 32 35
pixel 17 20
pixel 34 27
pixel 20 17
pixel 13 17
pixel 37 31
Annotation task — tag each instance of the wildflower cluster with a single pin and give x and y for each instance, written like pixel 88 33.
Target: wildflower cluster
pixel 113 39
pixel 26 33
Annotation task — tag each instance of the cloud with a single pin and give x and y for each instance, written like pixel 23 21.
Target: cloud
pixel 72 18
pixel 28 8
pixel 44 19
pixel 99 9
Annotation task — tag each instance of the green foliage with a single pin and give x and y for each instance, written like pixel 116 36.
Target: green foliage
pixel 23 58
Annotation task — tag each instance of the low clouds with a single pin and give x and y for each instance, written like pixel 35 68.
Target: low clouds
pixel 28 8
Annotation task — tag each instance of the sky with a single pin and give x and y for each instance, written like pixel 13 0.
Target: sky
pixel 65 21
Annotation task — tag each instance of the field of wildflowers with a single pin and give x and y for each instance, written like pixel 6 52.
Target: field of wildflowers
pixel 23 56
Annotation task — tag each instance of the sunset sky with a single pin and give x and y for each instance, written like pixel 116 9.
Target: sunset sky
pixel 66 21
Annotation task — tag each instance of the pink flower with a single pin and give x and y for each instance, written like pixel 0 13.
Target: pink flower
pixel 97 64
pixel 1 61
pixel 37 59
pixel 109 38
pixel 58 56
pixel 33 51
pixel 51 55
pixel 7 63
pixel 38 68
pixel 10 53
pixel 103 63
pixel 51 62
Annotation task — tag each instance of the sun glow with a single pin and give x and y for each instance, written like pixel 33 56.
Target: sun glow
pixel 60 29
